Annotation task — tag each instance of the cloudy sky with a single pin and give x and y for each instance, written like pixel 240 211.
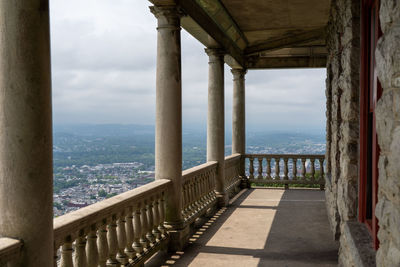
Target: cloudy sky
pixel 103 66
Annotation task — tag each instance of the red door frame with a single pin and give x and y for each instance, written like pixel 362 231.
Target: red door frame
pixel 370 92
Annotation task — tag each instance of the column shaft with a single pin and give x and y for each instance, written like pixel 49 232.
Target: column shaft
pixel 216 120
pixel 239 115
pixel 238 112
pixel 26 184
pixel 168 147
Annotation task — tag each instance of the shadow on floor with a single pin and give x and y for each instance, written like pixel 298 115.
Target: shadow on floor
pixel 263 227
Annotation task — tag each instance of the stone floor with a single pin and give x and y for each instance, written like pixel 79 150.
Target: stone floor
pixel 262 227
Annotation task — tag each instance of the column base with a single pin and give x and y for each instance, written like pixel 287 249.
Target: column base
pixel 222 199
pixel 178 238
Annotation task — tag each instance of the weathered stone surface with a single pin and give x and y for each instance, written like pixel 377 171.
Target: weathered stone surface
pixel 343 88
pixel 388 132
pixel 389 13
pixel 355 246
pixel 388 58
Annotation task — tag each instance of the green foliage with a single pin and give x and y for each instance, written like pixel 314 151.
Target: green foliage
pixel 102 193
pixel 57 205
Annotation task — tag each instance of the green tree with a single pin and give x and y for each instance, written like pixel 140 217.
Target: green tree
pixel 102 193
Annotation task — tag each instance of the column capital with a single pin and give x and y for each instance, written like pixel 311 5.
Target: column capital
pixel 167 16
pixel 215 54
pixel 238 73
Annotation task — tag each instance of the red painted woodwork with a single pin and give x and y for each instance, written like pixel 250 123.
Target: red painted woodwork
pixel 370 92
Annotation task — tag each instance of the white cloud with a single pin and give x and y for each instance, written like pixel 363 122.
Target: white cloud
pixel 103 63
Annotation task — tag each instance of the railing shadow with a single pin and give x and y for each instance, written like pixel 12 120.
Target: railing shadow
pixel 200 238
pixel 293 230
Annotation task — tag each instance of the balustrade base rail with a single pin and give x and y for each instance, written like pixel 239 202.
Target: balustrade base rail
pixel 159 245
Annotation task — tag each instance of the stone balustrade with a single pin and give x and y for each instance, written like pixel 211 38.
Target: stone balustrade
pixel 232 173
pixel 286 169
pixel 127 228
pixel 10 250
pixel 198 195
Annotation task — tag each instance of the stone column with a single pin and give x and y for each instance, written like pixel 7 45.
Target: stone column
pixel 26 174
pixel 216 120
pixel 168 147
pixel 239 116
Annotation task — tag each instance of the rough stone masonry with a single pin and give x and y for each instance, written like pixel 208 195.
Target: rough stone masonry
pixel 342 92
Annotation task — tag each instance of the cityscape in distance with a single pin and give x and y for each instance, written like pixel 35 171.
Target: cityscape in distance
pixel 95 162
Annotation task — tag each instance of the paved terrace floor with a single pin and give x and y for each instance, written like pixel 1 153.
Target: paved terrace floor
pixel 262 227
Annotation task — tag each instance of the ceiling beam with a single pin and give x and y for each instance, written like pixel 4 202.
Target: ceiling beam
pixel 199 15
pixel 287 41
pixel 256 62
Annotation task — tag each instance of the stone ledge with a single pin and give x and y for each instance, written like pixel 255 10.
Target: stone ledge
pixel 359 244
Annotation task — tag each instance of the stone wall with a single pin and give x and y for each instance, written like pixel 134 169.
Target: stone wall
pixel 388 130
pixel 342 93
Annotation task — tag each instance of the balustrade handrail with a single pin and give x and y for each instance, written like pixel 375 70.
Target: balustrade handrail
pixel 9 250
pixel 232 159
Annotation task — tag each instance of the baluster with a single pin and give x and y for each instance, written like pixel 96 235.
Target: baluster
pixel 102 243
pixel 294 160
pixel 277 168
pixel 66 253
pixel 185 200
pixel 162 214
pixel 303 168
pixel 269 168
pixel 260 168
pixel 198 186
pixel 112 243
pixel 196 194
pixel 143 218
pixel 137 230
pixel 92 253
pixel 200 182
pixel 80 252
pixel 203 190
pixel 121 234
pixel 312 169
pixel 150 222
pixel 322 175
pixel 156 212
pixel 210 187
pixel 129 234
pixel 207 188
pixel 191 198
pixel 286 171
pixel 251 168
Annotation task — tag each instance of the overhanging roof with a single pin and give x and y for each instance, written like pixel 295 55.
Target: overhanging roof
pixel 260 33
